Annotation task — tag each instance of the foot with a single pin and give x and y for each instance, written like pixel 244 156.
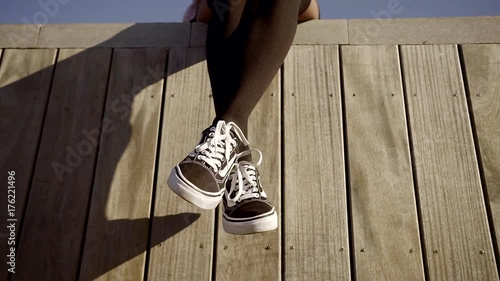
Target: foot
pixel 200 177
pixel 246 208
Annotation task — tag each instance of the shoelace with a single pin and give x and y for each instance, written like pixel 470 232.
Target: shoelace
pixel 244 179
pixel 219 145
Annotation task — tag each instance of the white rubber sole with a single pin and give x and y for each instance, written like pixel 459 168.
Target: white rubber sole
pixel 187 192
pixel 267 223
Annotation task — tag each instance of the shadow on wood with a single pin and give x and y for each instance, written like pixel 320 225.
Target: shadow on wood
pixel 50 108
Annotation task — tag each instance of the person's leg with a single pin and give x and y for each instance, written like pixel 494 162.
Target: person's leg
pixel 247 42
pixel 246 45
pixel 312 12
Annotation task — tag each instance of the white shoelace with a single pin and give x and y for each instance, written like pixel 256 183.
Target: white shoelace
pixel 219 145
pixel 244 180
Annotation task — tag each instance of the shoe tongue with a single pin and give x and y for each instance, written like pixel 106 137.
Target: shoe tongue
pixel 211 129
pixel 248 165
pixel 233 136
pixel 205 134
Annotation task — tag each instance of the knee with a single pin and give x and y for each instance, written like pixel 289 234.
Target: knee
pixel 311 12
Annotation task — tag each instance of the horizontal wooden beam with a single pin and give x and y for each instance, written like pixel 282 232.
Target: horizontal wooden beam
pixel 479 30
pixel 114 35
pixel 19 35
pixel 425 31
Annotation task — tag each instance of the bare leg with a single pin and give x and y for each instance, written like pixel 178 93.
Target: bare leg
pixel 246 44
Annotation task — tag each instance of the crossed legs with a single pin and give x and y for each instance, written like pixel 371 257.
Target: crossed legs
pixel 247 43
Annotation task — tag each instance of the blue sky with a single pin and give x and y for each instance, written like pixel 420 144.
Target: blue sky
pixel 65 11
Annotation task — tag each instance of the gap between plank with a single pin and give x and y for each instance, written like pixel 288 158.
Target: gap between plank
pixel 347 173
pixel 215 236
pixel 214 246
pixel 282 156
pixel 472 120
pixel 413 168
pixel 155 174
pixel 1 56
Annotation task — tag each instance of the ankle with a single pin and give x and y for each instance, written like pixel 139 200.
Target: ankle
pixel 246 157
pixel 242 123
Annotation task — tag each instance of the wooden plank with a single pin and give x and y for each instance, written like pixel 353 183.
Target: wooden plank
pixel 322 32
pixel 117 35
pixel 316 242
pixel 198 36
pixel 182 234
pixel 25 78
pixel 482 64
pixel 118 227
pixel 314 32
pixel 423 30
pixel 19 35
pixel 262 251
pixel 454 221
pixel 385 224
pixel 55 217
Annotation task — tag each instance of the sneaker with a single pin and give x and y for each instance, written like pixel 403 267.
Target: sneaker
pixel 200 177
pixel 246 208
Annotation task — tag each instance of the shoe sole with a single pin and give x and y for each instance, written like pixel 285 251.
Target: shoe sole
pixel 193 196
pixel 263 224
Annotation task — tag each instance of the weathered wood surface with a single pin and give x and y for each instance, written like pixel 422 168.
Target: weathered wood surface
pixel 53 227
pixel 382 29
pixel 259 255
pixel 421 31
pixel 118 225
pixel 316 245
pixel 25 79
pixel 19 35
pixel 116 35
pixel 48 115
pixel 183 239
pixel 455 225
pixel 386 235
pixel 482 64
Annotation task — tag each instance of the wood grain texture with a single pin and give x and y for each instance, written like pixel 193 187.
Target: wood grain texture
pixel 453 211
pixel 19 35
pixel 482 64
pixel 25 78
pixel 116 35
pixel 184 242
pixel 423 31
pixel 55 217
pixel 322 32
pixel 255 257
pixel 316 242
pixel 118 227
pixel 383 199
